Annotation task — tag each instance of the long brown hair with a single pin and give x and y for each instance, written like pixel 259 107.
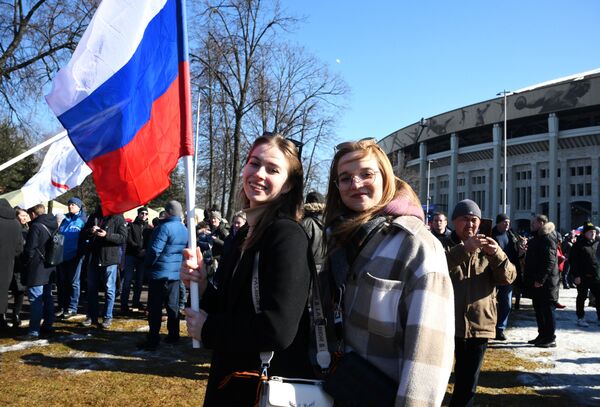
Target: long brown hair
pixel 392 187
pixel 287 204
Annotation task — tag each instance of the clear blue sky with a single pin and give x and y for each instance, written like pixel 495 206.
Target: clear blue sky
pixel 404 60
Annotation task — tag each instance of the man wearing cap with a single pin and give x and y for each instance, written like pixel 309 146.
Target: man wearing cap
pixel 586 270
pixel 138 232
pixel 69 271
pixel 509 243
pixel 163 259
pixel 541 279
pixel 477 265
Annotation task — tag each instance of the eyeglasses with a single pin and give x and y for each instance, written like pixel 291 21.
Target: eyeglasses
pixel 296 143
pixel 345 144
pixel 364 178
pixel 144 213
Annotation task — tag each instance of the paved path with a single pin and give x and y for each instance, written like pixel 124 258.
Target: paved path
pixel 575 362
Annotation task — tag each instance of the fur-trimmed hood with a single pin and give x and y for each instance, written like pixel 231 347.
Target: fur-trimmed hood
pixel 314 207
pixel 546 229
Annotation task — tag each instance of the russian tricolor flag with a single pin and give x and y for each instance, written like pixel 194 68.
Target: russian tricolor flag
pixel 124 99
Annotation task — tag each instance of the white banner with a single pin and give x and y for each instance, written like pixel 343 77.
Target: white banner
pixel 61 170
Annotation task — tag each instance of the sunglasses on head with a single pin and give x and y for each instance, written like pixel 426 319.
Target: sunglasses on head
pixel 345 144
pixel 296 143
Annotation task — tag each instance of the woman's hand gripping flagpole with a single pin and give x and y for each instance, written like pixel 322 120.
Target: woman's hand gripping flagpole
pixel 193 274
pixel 192 271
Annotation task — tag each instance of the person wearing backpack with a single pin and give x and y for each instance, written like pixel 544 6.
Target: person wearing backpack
pixel 37 275
pixel 69 271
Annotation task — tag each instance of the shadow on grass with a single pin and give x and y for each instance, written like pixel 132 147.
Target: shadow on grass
pixel 116 351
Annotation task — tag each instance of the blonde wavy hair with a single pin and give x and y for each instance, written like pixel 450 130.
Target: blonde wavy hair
pixel 335 208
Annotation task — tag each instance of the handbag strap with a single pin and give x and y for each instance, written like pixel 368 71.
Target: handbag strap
pixel 319 321
pixel 42 255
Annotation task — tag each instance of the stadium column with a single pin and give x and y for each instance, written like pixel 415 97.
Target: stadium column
pixel 552 165
pixel 453 172
pixel 565 208
pixel 422 171
pixel 496 184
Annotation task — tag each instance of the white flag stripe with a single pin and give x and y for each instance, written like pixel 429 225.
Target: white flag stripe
pixel 112 19
pixel 61 170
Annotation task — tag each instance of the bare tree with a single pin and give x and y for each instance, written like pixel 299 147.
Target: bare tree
pixel 36 38
pixel 263 85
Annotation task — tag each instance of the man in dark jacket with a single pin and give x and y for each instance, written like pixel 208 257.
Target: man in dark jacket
pixel 218 233
pixel 38 275
pixel 314 206
pixel 541 279
pixel 509 242
pixel 586 270
pixel 11 245
pixel 107 234
pixel 439 225
pixel 137 237
pixel 163 260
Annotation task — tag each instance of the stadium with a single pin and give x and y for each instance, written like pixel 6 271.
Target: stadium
pixel 552 153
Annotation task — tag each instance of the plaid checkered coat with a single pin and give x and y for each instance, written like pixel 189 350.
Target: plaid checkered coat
pixel 399 309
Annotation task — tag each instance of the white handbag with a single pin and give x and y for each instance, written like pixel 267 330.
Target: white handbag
pixel 281 391
pixel 284 392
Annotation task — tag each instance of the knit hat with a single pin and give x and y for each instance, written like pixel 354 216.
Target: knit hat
pixel 314 197
pixel 75 200
pixel 501 218
pixel 466 207
pixel 216 215
pixel 142 209
pixel 587 226
pixel 173 208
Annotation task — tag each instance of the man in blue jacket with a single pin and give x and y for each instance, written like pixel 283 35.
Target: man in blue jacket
pixel 69 271
pixel 163 260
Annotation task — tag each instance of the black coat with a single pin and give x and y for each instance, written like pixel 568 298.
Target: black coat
pixel 541 262
pixel 313 225
pixel 11 244
pixel 583 260
pixel 36 273
pixel 137 233
pixel 106 251
pixel 512 252
pixel 237 334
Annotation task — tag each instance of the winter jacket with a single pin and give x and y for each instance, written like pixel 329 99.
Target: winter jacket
pixel 313 225
pixel 11 245
pixel 584 263
pixel 511 250
pixel 137 231
pixel 70 228
pixel 398 306
pixel 441 236
pixel 165 251
pixel 236 333
pixel 36 273
pixel 218 234
pixel 475 276
pixel 107 250
pixel 541 262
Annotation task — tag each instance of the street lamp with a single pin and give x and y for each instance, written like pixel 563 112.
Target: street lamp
pixel 504 93
pixel 428 197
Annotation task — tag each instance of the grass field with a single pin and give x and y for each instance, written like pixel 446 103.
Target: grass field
pixel 79 366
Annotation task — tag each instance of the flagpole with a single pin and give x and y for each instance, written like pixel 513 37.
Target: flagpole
pixel 33 150
pixel 190 180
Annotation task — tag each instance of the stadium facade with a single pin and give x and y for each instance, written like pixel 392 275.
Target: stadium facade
pixel 553 153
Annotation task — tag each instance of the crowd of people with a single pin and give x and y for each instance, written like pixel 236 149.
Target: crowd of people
pixel 356 278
